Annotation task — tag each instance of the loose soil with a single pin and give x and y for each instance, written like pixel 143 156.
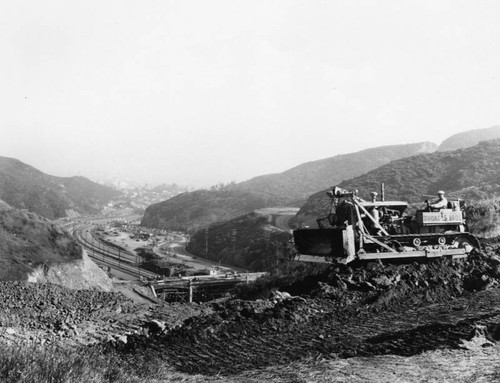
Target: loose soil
pixel 369 322
pixel 367 311
pixel 44 313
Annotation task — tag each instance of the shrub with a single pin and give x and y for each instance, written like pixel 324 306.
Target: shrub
pixel 483 218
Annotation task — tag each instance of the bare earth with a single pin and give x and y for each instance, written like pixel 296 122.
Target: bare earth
pixel 419 322
pixel 277 340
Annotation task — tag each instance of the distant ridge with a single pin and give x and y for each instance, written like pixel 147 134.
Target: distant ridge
pixel 199 208
pixel 24 187
pixel 472 173
pixel 301 181
pixel 192 210
pixel 469 138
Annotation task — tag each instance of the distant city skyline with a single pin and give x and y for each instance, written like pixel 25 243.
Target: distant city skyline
pixel 202 92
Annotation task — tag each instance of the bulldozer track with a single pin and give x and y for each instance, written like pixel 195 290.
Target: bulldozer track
pixel 431 239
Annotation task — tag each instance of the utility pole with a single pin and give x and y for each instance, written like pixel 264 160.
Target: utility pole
pixel 137 263
pixel 206 240
pixel 190 291
pixel 266 238
pixel 233 238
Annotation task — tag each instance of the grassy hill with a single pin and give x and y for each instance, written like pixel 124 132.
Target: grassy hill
pixel 248 241
pixel 199 208
pixel 28 240
pixel 469 138
pixel 203 207
pixel 303 180
pixel 24 187
pixel 472 174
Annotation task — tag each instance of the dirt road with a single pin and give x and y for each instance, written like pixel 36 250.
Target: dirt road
pixel 177 253
pixel 281 216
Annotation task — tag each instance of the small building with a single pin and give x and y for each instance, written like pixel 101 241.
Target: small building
pixel 212 272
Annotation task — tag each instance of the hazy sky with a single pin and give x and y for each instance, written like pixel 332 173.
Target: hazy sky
pixel 200 92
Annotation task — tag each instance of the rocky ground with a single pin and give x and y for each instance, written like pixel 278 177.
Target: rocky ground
pixel 44 313
pixel 363 316
pixel 366 311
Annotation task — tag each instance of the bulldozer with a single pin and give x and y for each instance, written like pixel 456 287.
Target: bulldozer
pixel 356 229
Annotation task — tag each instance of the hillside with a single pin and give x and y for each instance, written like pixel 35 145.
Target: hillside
pixel 27 241
pixel 469 138
pixel 33 248
pixel 24 187
pixel 199 208
pixel 471 173
pixel 203 207
pixel 248 241
pixel 301 181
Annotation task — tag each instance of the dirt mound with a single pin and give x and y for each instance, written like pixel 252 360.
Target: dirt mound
pixel 372 310
pixel 369 310
pixel 45 313
pixel 51 311
pixel 395 285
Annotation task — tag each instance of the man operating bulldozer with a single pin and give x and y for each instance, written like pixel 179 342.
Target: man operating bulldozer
pixel 441 203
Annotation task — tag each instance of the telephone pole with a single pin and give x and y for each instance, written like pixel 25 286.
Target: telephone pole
pixel 233 238
pixel 206 240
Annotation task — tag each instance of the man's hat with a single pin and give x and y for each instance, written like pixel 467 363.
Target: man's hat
pixel 440 192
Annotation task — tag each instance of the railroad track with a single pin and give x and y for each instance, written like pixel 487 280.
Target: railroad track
pixel 108 256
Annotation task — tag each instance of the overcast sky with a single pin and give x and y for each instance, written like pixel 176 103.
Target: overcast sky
pixel 200 92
